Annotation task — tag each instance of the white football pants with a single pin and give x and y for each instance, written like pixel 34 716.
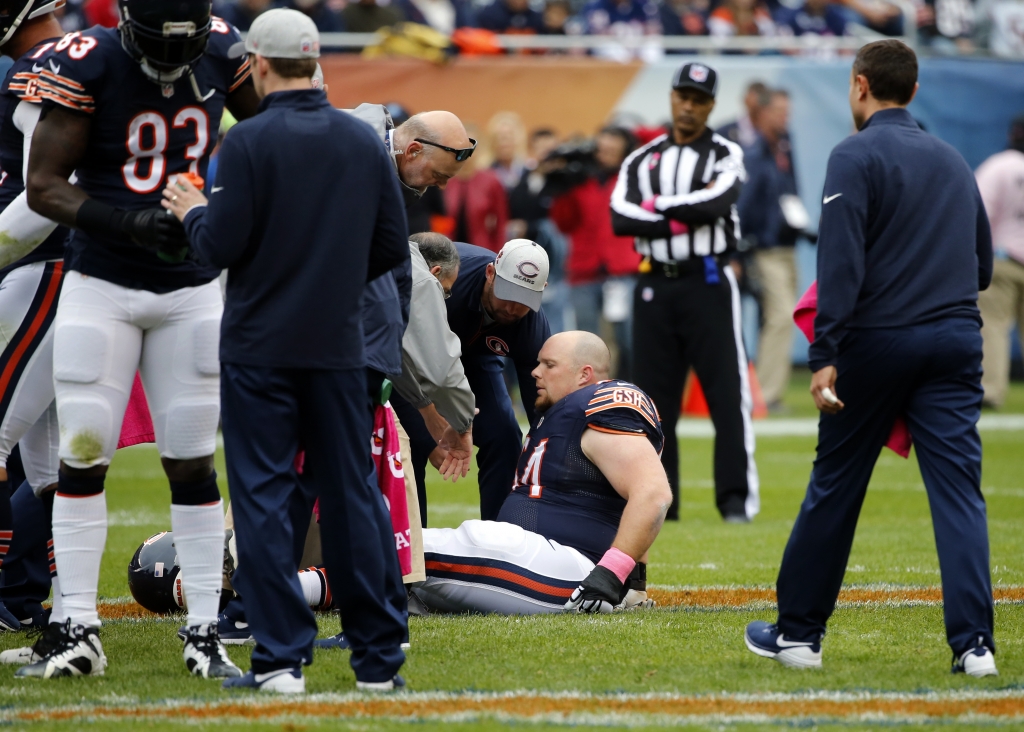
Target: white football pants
pixel 28 303
pixel 103 333
pixel 496 567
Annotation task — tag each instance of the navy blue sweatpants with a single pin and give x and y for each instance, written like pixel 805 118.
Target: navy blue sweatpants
pixel 931 374
pixel 25 582
pixel 496 434
pixel 268 413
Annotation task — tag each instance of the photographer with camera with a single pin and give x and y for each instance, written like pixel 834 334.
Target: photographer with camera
pixel 601 267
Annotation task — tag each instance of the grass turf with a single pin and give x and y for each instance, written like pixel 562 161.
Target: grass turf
pixel 898 648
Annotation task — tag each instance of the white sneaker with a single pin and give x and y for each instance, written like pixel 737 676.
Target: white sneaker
pixel 281 681
pixel 78 653
pixel 395 684
pixel 48 639
pixel 976 662
pixel 204 654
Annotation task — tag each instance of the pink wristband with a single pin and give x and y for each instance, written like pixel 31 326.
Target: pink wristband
pixel 620 563
pixel 678 227
pixel 648 205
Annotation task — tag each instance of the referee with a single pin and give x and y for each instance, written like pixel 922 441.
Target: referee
pixel 677 195
pixel 904 247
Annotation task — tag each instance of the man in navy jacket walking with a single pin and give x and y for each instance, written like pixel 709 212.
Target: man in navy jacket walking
pixel 904 248
pixel 306 208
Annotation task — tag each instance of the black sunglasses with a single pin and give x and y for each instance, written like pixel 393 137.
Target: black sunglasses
pixel 460 155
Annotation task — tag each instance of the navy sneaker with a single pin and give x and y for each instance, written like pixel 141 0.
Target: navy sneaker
pixel 338 641
pixel 281 681
pixel 231 632
pixel 7 621
pixel 40 618
pixel 395 684
pixel 765 639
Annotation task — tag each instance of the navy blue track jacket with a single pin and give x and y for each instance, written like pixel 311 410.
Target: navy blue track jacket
pixel 904 238
pixel 520 342
pixel 305 209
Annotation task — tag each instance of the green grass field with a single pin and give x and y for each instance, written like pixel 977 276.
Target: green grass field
pixel 574 669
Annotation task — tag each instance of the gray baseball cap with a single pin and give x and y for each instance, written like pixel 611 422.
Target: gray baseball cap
pixel 522 273
pixel 280 33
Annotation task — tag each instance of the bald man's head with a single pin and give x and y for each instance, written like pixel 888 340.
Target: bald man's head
pixel 568 362
pixel 421 164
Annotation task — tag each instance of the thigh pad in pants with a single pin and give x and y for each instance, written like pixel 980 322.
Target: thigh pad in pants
pixel 495 567
pixel 181 373
pixel 81 365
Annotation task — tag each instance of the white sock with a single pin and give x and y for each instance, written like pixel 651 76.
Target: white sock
pixel 314 586
pixel 199 539
pixel 57 613
pixel 79 535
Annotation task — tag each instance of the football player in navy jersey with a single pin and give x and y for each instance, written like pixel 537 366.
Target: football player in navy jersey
pixel 30 281
pixel 123 110
pixel 589 499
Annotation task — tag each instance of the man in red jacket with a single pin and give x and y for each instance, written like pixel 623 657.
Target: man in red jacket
pixel 601 267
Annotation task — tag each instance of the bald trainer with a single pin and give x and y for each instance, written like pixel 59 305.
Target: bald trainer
pixel 429 149
pixel 589 499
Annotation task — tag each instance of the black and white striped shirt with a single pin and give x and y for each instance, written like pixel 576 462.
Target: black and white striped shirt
pixel 677 178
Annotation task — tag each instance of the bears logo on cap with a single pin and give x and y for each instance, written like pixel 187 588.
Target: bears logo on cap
pixel 699 73
pixel 528 269
pixel 497 345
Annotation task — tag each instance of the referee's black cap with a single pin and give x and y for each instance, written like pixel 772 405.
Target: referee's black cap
pixel 696 76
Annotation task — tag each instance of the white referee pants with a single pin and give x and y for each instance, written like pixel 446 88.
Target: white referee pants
pixel 496 567
pixel 28 303
pixel 104 333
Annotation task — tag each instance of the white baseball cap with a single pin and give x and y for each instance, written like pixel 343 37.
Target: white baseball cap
pixel 280 33
pixel 522 273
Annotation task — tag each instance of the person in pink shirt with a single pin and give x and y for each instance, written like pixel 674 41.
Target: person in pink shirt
pixel 1001 182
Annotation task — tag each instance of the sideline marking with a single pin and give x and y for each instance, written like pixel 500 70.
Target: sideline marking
pixel 706 598
pixel 808 426
pixel 570 707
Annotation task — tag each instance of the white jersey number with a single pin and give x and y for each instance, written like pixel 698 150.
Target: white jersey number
pixel 147 143
pixel 531 474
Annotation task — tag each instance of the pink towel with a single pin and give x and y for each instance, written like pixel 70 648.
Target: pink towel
pixel 387 458
pixel 137 426
pixel 900 440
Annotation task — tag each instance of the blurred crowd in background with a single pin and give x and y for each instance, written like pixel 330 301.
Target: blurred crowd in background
pixel 944 26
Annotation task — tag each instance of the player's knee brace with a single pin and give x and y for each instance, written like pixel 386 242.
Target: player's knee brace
pixel 191 430
pixel 195 493
pixel 79 486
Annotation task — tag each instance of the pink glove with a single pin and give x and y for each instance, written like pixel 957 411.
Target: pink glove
pixel 678 227
pixel 648 205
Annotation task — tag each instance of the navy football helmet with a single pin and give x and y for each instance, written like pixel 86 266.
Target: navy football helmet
pixel 154 577
pixel 166 37
pixel 15 12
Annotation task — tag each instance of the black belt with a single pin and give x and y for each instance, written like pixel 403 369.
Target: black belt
pixel 685 268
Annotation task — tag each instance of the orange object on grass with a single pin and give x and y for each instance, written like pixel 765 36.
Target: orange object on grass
pixel 696 405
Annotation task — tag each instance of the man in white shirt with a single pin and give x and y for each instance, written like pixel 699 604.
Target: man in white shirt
pixel 1001 182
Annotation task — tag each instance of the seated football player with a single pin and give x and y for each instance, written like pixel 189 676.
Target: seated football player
pixel 589 499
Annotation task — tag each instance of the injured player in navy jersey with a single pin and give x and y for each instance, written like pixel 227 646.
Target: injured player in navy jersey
pixel 588 501
pixel 589 498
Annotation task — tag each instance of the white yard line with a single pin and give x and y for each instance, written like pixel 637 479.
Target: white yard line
pixel 808 426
